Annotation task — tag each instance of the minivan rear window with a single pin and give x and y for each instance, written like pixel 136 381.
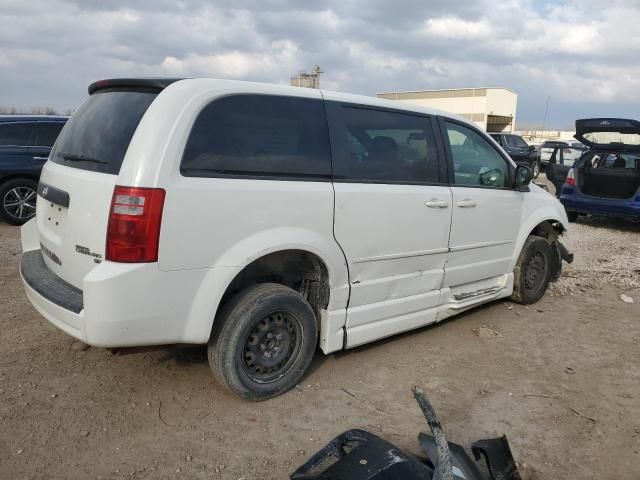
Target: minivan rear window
pixel 98 134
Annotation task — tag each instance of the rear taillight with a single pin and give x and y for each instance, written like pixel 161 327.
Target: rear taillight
pixel 571 177
pixel 133 233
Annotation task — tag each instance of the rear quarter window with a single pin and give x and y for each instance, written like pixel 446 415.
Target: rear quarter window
pixel 259 136
pixel 97 136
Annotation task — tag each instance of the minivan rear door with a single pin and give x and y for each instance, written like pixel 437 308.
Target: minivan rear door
pixel 612 134
pixel 77 183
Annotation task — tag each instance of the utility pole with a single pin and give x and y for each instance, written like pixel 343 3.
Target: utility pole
pixel 546 110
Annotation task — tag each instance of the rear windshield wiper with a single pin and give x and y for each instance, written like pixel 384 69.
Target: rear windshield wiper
pixel 79 158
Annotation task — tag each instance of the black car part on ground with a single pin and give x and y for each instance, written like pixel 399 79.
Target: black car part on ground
pixel 360 455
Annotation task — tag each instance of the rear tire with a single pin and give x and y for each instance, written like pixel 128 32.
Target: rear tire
pixel 18 200
pixel 533 271
pixel 263 341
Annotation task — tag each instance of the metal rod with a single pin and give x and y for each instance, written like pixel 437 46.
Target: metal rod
pixel 445 470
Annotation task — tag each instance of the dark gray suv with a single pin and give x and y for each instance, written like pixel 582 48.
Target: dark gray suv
pixel 25 144
pixel 519 150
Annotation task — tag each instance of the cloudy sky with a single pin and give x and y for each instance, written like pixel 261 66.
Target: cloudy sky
pixel 583 54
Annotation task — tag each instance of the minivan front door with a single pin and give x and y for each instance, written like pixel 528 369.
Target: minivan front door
pixel 486 213
pixel 392 218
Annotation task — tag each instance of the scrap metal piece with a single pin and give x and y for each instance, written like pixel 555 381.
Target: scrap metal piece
pixel 564 253
pixel 443 455
pixel 498 456
pixel 462 466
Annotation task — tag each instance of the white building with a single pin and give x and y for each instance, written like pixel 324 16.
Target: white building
pixel 492 109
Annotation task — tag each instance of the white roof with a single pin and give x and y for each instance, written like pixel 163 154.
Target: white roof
pixel 193 87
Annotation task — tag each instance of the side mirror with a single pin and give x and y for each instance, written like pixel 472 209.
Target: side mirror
pixel 523 177
pixel 492 178
pixel 532 148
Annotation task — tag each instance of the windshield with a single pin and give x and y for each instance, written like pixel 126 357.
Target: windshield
pixel 97 136
pixel 516 141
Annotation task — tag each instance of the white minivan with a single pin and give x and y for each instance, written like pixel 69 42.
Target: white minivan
pixel 267 220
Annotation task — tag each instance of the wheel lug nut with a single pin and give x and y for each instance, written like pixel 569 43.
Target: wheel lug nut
pixel 279 336
pixel 263 347
pixel 269 335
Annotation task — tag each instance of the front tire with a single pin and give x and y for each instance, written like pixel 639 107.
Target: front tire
pixel 533 270
pixel 263 342
pixel 18 200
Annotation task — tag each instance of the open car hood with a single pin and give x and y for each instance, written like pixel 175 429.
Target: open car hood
pixel 613 134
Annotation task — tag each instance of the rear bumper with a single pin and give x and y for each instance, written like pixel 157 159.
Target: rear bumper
pixel 43 298
pixel 42 280
pixel 574 202
pixel 120 305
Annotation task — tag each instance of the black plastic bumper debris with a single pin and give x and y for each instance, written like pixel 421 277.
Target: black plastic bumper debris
pixel 360 455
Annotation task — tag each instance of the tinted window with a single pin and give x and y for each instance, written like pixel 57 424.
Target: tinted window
pixel 259 135
pixel 475 161
pixel 388 147
pixel 98 134
pixel 45 134
pixel 15 134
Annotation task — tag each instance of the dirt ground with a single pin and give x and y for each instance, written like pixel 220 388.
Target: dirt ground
pixel 561 378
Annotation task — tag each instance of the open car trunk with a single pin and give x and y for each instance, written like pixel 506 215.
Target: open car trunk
pixel 610 134
pixel 606 180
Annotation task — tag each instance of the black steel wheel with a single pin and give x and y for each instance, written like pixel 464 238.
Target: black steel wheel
pixel 272 347
pixel 263 341
pixel 535 271
pixel 532 273
pixel 18 200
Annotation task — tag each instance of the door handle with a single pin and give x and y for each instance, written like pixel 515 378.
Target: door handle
pixel 41 158
pixel 466 203
pixel 437 203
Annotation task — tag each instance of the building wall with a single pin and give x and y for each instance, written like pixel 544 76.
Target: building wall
pixel 492 109
pixel 501 102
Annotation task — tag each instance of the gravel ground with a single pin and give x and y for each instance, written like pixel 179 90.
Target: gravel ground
pixel 561 378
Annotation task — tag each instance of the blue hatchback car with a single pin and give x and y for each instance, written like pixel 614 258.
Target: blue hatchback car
pixel 25 144
pixel 605 180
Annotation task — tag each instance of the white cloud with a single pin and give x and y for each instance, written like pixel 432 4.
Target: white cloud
pixel 51 50
pixel 278 59
pixel 456 28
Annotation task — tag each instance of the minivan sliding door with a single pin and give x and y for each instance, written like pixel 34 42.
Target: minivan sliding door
pixel 392 217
